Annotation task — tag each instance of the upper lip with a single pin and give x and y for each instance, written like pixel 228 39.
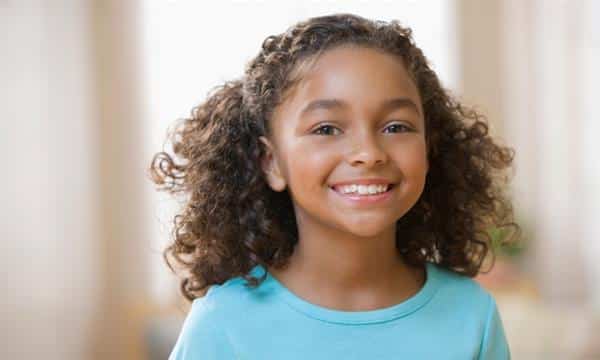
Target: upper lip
pixel 363 182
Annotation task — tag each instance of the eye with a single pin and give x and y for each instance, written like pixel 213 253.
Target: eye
pixel 400 128
pixel 323 130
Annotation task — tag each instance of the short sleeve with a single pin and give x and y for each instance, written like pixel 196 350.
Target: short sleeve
pixel 494 345
pixel 202 335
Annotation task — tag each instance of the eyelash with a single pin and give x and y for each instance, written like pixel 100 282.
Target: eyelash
pixel 408 129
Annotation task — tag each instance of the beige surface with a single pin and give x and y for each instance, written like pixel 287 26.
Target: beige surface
pixel 537 330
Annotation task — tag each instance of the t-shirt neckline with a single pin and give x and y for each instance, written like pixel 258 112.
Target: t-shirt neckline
pixel 392 312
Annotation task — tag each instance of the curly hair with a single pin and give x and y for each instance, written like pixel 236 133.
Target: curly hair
pixel 232 220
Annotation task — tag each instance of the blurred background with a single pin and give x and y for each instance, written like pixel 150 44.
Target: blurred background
pixel 89 89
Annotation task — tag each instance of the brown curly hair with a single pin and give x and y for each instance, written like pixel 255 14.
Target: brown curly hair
pixel 233 220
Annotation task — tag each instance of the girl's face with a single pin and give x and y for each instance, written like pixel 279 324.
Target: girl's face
pixel 356 115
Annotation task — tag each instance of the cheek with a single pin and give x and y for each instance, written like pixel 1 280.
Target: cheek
pixel 309 168
pixel 412 160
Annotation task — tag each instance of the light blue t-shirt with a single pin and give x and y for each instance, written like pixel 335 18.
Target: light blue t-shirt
pixel 451 317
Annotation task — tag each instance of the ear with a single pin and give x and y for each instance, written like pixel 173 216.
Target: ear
pixel 270 166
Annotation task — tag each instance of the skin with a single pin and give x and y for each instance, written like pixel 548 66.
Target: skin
pixel 346 258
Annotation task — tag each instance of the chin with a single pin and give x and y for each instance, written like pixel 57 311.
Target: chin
pixel 368 230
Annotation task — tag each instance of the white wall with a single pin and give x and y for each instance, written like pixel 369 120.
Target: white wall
pixel 49 249
pixel 587 47
pixel 550 54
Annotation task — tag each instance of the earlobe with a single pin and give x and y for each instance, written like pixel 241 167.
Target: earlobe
pixel 270 167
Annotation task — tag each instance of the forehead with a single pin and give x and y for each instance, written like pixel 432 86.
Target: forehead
pixel 357 75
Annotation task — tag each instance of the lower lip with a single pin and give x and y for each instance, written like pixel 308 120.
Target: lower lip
pixel 366 199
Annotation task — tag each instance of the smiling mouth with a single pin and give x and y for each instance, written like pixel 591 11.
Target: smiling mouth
pixel 357 194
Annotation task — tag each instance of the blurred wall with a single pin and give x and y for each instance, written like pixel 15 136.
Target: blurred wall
pixel 50 252
pixel 526 65
pixel 480 69
pixel 74 250
pixel 548 88
pixel 123 206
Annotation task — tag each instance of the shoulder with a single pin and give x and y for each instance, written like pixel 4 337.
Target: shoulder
pixel 476 309
pixel 461 288
pixel 469 301
pixel 204 333
pixel 217 306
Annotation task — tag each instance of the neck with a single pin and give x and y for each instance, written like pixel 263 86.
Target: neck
pixel 346 272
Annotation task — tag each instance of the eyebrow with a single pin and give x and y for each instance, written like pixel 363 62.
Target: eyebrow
pixel 387 105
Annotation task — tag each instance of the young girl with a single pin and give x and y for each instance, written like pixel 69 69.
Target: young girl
pixel 338 205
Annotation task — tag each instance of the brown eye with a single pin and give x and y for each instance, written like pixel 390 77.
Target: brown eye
pixel 399 128
pixel 324 130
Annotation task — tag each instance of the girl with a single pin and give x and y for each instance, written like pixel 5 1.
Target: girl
pixel 338 203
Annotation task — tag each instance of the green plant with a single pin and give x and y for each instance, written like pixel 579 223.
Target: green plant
pixel 505 243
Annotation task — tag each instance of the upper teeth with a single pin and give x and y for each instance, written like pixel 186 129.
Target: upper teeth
pixel 363 189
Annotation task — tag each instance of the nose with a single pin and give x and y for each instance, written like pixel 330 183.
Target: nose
pixel 367 152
